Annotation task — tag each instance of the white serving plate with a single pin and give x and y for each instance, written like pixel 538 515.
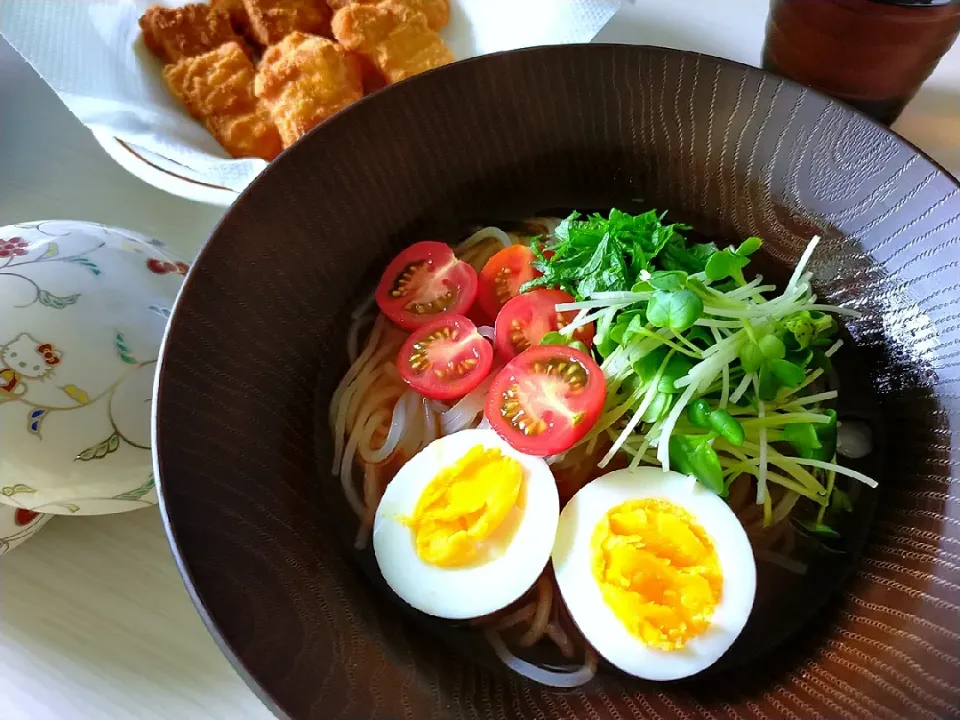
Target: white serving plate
pixel 163 173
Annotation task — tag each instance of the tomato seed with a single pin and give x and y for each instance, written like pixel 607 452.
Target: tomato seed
pixel 518 338
pixel 401 284
pixel 512 411
pixel 501 285
pixel 418 358
pixel 434 306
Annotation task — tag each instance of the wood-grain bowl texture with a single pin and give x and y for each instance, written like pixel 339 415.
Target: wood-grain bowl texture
pixel 257 346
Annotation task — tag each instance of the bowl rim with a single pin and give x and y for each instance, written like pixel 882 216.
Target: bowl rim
pixel 344 115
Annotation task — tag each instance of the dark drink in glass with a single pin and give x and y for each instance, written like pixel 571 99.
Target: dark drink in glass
pixel 871 54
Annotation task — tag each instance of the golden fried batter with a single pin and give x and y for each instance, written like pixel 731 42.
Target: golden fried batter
pixel 437 11
pixel 373 79
pixel 304 80
pixel 175 33
pixel 237 13
pixel 396 38
pixel 217 87
pixel 272 20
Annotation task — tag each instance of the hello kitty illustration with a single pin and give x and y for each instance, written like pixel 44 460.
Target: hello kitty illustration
pixel 25 358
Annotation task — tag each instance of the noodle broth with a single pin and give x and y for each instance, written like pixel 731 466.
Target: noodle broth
pixel 378 423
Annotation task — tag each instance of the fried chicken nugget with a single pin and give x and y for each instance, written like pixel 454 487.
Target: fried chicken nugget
pixel 437 11
pixel 396 38
pixel 373 79
pixel 272 20
pixel 237 13
pixel 217 87
pixel 175 33
pixel 305 79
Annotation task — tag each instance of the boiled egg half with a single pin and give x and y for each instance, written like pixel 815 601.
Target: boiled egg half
pixel 466 526
pixel 656 571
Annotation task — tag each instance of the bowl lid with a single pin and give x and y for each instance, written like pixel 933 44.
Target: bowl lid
pixel 83 308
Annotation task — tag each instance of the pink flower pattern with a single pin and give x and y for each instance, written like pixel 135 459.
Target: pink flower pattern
pixel 14 247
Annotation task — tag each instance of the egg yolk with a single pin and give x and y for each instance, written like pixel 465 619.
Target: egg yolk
pixel 658 571
pixel 464 506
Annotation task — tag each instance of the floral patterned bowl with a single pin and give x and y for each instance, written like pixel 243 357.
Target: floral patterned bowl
pixel 18 525
pixel 83 309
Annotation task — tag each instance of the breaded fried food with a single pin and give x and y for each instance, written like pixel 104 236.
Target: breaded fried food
pixel 373 79
pixel 272 20
pixel 394 37
pixel 188 31
pixel 305 79
pixel 217 87
pixel 437 11
pixel 237 13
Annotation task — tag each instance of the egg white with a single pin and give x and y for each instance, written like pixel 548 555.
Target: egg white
pixel 472 591
pixel 597 620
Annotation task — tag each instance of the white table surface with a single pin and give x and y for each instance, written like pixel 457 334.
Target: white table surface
pixel 94 620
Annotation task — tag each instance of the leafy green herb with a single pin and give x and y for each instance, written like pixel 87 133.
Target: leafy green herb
pixel 802 437
pixel 693 455
pixel 636 327
pixel 840 501
pixel 729 263
pixel 677 310
pixel 719 421
pixel 818 529
pixel 693 258
pixel 698 412
pixel 772 347
pixel 726 263
pixel 597 254
pixel 605 344
pixel 766 357
pixel 742 352
pixel 658 408
pixel 768 384
pixel 787 373
pixel 727 426
pixel 751 357
pixel 749 246
pixel 700 336
pixel 807 328
pixel 815 441
pixel 668 280
pixel 827 435
pixel 555 338
pixel 677 367
pixel 646 367
pixel 801 358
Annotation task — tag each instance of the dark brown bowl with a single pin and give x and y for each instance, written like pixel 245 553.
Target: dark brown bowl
pixel 256 347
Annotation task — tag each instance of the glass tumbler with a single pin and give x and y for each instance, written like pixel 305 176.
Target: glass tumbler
pixel 871 54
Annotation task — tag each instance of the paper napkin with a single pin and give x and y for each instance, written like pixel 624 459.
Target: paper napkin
pixel 90 52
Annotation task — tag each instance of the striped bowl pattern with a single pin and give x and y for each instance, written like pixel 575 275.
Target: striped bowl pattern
pixel 256 347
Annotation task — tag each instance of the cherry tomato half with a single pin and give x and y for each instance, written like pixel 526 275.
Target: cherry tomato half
pixel 503 275
pixel 423 282
pixel 446 358
pixel 525 319
pixel 546 399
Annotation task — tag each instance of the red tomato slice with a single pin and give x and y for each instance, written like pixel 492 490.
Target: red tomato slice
pixel 503 275
pixel 525 319
pixel 546 399
pixel 445 359
pixel 479 316
pixel 423 282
